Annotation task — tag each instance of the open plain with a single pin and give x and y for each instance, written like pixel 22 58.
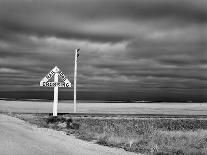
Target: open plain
pixel 110 108
pixel 147 128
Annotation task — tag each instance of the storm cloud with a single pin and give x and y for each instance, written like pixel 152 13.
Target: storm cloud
pixel 127 47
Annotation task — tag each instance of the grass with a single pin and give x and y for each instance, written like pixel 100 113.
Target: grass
pixel 148 136
pixel 190 142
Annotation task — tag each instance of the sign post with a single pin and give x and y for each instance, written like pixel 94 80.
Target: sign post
pixel 44 82
pixel 55 96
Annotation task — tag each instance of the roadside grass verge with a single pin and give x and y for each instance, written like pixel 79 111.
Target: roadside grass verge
pixel 148 136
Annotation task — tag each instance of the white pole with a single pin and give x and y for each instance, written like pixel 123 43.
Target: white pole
pixel 55 96
pixel 75 76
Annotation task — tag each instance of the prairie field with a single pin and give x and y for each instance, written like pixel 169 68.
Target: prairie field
pixel 146 135
pixel 100 107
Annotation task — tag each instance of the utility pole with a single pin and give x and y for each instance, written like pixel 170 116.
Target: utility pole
pixel 75 77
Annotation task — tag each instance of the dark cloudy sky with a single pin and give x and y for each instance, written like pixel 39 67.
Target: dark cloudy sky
pixel 148 48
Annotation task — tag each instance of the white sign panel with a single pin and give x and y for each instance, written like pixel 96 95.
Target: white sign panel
pixel 49 75
pixel 44 82
pixel 55 84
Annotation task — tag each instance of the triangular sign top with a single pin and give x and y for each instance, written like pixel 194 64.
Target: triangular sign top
pixel 50 74
pixel 55 70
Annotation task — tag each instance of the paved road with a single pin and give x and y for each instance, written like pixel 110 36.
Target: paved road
pixel 20 138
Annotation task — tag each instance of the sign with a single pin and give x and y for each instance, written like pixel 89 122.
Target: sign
pixel 44 82
pixel 56 72
pixel 55 84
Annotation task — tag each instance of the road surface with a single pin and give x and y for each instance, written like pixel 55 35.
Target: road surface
pixel 20 138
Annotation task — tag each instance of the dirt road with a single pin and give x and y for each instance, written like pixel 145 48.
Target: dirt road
pixel 20 138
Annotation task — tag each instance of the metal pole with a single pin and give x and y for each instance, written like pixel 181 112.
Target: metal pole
pixel 55 95
pixel 75 76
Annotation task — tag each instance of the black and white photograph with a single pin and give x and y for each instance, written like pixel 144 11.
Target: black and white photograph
pixel 103 77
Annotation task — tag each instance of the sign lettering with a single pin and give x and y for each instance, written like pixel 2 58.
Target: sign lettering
pixel 44 82
pixel 55 84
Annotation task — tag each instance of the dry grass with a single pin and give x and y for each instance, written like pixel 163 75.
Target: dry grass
pixel 149 136
pixel 186 142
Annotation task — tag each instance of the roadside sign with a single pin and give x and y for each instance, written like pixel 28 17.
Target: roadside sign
pixel 44 82
pixel 56 72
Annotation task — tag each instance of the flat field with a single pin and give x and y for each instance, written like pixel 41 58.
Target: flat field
pixel 135 134
pixel 156 136
pixel 111 108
